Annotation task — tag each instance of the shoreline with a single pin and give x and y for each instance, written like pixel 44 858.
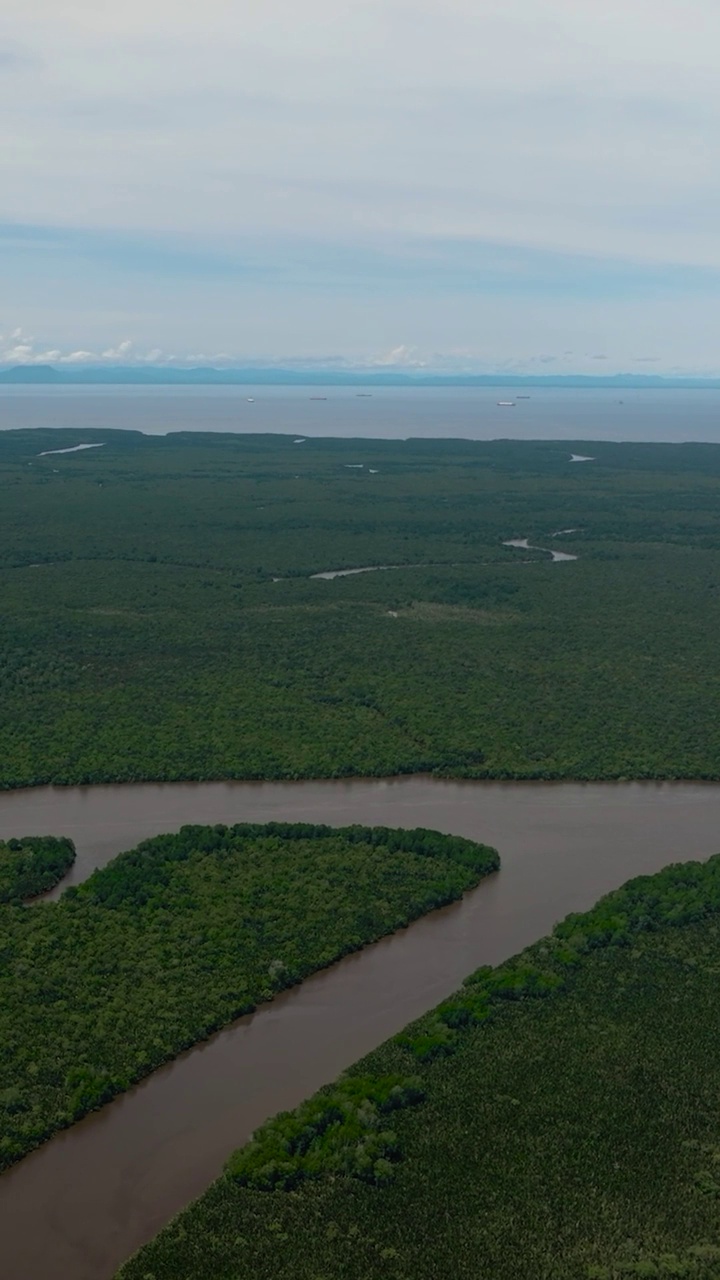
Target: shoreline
pixel 539 777
pixel 561 849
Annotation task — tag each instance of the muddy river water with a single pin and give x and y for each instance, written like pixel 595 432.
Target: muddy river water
pixel 77 1207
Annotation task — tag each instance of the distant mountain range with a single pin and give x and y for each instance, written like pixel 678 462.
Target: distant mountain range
pixel 125 375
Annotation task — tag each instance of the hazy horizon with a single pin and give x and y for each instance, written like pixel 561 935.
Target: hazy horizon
pixel 576 415
pixel 334 375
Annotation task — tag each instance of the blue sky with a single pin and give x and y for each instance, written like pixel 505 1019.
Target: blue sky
pixel 441 184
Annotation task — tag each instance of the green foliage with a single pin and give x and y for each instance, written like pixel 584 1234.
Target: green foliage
pixel 680 894
pixel 699 1262
pixel 143 636
pixel 338 1132
pixel 33 865
pixel 473 1005
pixel 174 939
pixel 575 1136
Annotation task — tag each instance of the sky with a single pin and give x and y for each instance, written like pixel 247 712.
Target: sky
pixel 511 185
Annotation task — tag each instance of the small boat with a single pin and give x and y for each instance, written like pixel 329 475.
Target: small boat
pixel 506 404
pixel 318 397
pixel 251 399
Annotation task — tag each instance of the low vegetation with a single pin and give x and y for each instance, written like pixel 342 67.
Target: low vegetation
pixel 570 1127
pixel 33 865
pixel 174 939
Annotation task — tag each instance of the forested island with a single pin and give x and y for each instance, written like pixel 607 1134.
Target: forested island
pixel 161 618
pixel 176 938
pixel 557 1117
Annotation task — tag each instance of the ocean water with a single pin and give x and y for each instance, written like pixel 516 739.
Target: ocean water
pixel 386 413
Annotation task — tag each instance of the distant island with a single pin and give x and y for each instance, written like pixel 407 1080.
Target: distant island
pixel 128 375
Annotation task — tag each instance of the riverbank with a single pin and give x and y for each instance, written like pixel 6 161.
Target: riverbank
pixel 105 820
pixel 116 1177
pixel 563 1124
pixel 183 935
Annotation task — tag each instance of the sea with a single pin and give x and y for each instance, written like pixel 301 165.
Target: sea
pixel 383 413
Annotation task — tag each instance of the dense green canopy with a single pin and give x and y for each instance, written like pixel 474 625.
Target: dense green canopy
pixel 143 633
pixel 33 865
pixel 176 938
pixel 569 1126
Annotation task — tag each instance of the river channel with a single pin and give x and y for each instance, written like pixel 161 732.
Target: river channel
pixel 77 1207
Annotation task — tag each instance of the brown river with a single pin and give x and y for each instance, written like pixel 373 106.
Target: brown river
pixel 77 1207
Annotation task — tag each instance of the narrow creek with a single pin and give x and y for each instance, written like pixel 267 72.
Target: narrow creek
pixel 77 1207
pixel 524 545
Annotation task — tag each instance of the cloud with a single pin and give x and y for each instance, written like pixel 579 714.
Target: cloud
pixel 121 352
pixel 21 348
pixel 402 357
pixel 18 348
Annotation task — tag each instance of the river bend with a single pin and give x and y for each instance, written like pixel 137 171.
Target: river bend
pixel 77 1207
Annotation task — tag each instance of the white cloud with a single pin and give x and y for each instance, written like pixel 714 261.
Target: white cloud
pixel 485 358
pixel 77 357
pixel 121 352
pixel 402 357
pixel 21 348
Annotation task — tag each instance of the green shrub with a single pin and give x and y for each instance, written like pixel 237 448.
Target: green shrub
pixel 338 1132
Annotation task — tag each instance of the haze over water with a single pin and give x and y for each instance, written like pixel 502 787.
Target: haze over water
pixel 661 415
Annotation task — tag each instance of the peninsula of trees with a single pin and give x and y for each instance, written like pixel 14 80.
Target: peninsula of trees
pixel 174 939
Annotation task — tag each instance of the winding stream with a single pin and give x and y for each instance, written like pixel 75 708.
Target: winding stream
pixel 77 1207
pixel 524 545
pixel 329 574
